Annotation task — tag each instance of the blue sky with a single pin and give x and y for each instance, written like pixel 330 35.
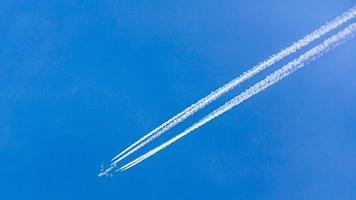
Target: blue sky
pixel 81 81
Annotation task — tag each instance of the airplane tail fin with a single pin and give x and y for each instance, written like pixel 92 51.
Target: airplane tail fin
pixel 102 167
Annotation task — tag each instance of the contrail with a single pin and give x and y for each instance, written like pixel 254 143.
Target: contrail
pixel 271 79
pixel 346 16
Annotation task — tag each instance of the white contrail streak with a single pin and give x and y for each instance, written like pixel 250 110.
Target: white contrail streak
pixel 346 16
pixel 276 76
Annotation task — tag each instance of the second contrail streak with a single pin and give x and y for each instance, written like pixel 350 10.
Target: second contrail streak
pixel 271 79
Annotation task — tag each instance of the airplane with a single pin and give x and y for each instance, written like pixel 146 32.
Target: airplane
pixel 106 172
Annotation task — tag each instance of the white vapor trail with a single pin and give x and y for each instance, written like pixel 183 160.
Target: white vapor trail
pixel 343 18
pixel 271 79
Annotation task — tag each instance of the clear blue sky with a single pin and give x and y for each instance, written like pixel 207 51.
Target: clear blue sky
pixel 81 81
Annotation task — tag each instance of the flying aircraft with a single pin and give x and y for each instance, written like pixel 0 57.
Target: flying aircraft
pixel 106 172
